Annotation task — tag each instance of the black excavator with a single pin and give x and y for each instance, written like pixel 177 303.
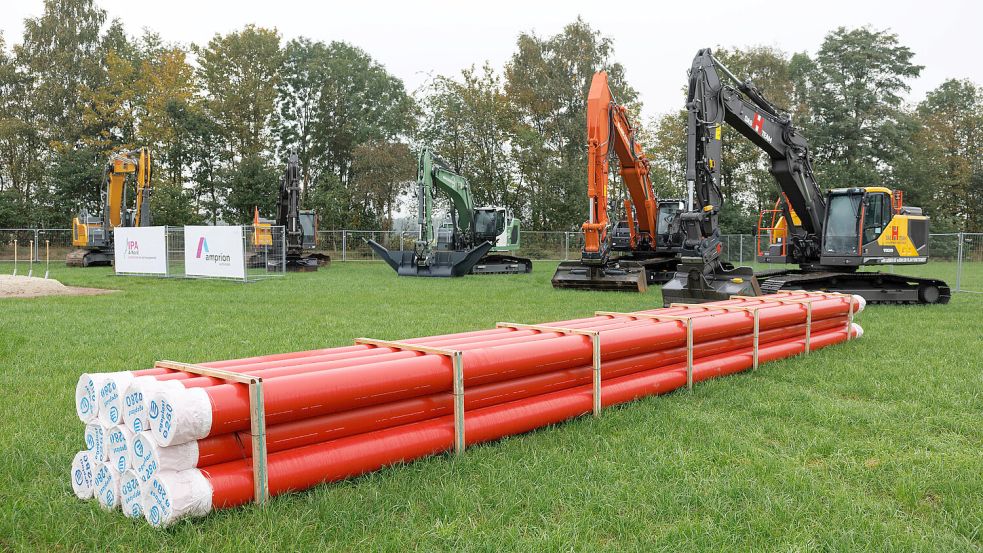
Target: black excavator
pixel 830 236
pixel 299 226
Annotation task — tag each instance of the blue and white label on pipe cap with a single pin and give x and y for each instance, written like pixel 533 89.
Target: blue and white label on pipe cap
pixel 96 442
pixel 106 486
pixel 131 494
pixel 82 475
pixel 119 439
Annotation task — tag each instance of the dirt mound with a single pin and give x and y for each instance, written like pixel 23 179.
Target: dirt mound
pixel 33 287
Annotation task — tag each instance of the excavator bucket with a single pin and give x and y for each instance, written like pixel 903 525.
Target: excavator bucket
pixel 692 284
pixel 441 263
pixel 619 277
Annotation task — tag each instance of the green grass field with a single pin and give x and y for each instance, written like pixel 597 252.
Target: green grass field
pixel 876 444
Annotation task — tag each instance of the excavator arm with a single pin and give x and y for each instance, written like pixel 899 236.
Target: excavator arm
pixel 433 174
pixel 609 129
pixel 144 189
pixel 710 103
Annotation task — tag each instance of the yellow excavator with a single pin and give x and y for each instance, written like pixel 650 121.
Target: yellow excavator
pixel 92 235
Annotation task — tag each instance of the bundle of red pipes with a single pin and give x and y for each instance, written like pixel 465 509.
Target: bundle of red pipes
pixel 169 444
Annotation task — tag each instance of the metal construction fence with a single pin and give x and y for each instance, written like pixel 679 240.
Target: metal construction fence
pixel 956 258
pixel 264 250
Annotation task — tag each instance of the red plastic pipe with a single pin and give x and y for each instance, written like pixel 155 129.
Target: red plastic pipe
pixel 316 393
pixel 248 365
pixel 227 447
pixel 303 467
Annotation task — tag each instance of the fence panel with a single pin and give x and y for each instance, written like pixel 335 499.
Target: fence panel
pixel 543 245
pixel 969 270
pixel 264 251
pixel 738 249
pixel 956 258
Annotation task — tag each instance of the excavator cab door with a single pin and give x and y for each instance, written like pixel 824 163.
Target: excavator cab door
pixel 877 215
pixel 489 224
pixel 668 233
pixel 844 218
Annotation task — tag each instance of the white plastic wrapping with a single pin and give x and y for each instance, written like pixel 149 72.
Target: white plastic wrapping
pixel 131 494
pixel 171 496
pixel 858 331
pixel 119 439
pixel 96 442
pixel 105 485
pixel 86 395
pixel 861 301
pixel 148 458
pixel 180 416
pixel 82 475
pixel 110 397
pixel 137 397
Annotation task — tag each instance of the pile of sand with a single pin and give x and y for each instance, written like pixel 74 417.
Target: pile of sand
pixel 33 287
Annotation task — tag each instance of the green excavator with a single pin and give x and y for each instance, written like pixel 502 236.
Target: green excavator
pixel 479 240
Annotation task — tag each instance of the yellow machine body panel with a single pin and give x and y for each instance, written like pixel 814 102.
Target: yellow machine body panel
pixel 263 234
pixel 80 233
pixel 115 215
pixel 896 235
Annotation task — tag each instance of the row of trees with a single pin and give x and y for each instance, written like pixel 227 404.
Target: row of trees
pixel 220 117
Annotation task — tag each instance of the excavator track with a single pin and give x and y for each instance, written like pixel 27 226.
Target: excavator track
pixel 875 287
pixel 89 258
pixel 502 265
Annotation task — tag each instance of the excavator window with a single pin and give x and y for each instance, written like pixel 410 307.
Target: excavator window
pixel 877 215
pixel 667 214
pixel 842 224
pixel 489 223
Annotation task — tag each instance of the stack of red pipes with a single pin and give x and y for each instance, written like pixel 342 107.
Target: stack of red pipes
pixel 336 413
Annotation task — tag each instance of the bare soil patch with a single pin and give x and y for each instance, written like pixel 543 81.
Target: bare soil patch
pixel 34 287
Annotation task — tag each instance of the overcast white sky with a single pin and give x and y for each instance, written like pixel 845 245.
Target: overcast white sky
pixel 654 40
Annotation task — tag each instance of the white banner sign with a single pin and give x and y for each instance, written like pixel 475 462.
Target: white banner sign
pixel 214 251
pixel 141 250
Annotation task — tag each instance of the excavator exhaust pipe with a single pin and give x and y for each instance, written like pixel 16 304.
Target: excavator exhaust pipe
pixel 619 277
pixel 440 263
pixel 691 284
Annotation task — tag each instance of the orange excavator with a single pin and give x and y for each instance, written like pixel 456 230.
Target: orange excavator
pixel 647 238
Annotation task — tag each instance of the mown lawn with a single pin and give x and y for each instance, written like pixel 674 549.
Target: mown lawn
pixel 876 444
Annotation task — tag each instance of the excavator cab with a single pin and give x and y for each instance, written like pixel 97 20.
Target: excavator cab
pixel 489 223
pixel 667 230
pixel 870 225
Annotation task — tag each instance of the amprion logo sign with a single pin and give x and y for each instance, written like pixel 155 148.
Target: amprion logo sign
pixel 216 257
